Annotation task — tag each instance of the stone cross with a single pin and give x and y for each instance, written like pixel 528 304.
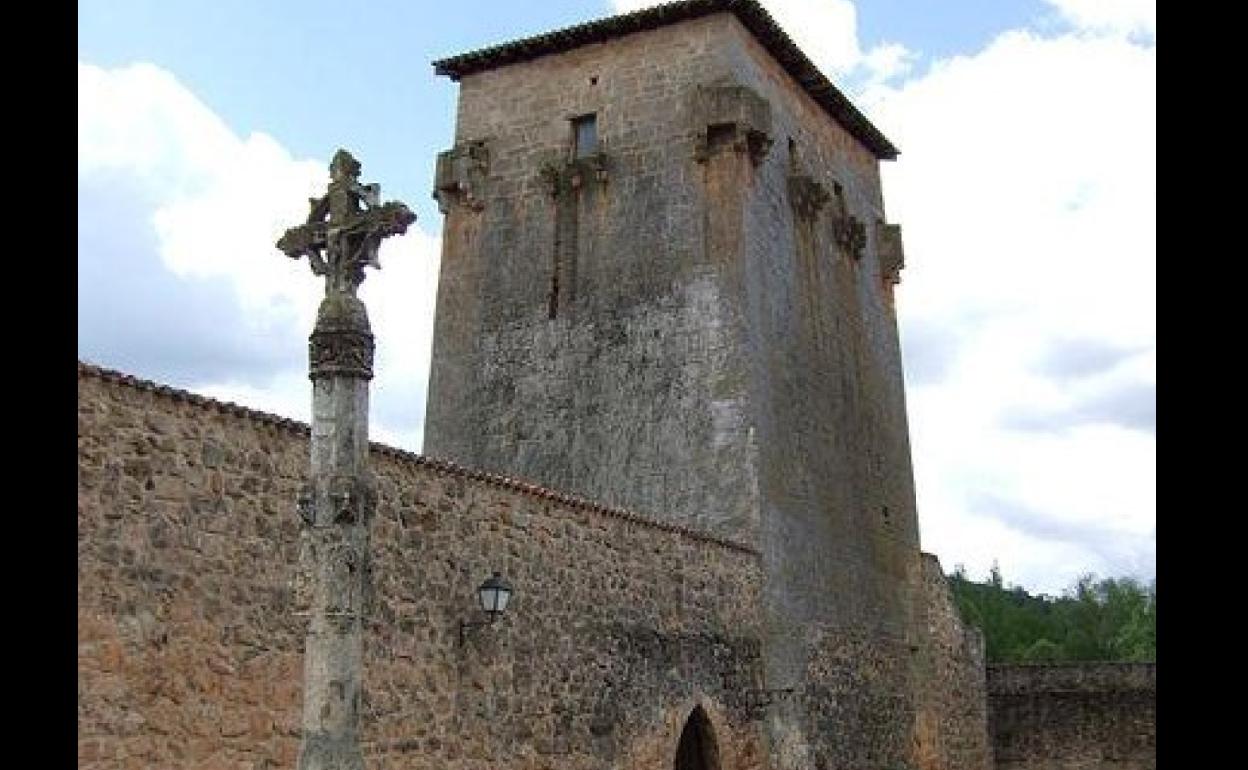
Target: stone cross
pixel 339 238
pixel 348 235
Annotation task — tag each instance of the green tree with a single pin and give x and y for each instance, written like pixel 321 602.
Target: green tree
pixel 1110 619
pixel 1042 650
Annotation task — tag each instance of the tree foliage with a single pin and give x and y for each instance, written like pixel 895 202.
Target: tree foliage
pixel 1105 619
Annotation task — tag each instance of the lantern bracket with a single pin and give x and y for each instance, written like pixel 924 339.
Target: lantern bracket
pixel 464 625
pixel 494 595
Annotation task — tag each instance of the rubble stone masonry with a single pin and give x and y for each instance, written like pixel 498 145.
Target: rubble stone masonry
pixel 1080 716
pixel 696 321
pixel 190 647
pixel 684 315
pixel 190 652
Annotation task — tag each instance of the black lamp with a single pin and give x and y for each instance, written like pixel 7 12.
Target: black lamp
pixel 494 595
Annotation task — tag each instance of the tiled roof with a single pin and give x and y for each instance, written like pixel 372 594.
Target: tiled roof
pixel 749 12
pixel 437 465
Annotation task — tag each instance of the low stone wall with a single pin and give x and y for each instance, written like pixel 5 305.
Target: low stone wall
pixel 1076 716
pixel 190 654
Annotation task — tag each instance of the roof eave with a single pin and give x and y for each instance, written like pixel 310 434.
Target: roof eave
pixel 753 16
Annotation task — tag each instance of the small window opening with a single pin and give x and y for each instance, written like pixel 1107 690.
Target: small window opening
pixel 585 135
pixel 594 80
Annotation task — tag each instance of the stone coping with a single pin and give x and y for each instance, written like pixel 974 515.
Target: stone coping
pixel 445 467
pixel 1071 677
pixel 752 15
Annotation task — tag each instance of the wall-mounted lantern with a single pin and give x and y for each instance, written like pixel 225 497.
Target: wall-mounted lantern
pixel 494 594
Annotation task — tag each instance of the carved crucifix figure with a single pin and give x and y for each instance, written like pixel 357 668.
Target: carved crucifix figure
pixel 341 236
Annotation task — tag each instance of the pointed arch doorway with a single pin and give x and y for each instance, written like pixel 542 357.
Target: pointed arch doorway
pixel 697 749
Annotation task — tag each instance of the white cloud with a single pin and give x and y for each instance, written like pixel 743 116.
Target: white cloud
pixel 827 32
pixel 141 120
pixel 215 200
pixel 1119 16
pixel 211 205
pixel 1026 190
pixel 1027 193
pixel 887 61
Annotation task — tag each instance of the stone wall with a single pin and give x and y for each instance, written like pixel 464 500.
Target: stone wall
pixel 579 305
pixel 838 524
pixel 876 700
pixel 697 323
pixel 1078 716
pixel 951 692
pixel 190 655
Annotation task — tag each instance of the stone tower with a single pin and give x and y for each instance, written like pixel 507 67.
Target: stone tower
pixel 666 285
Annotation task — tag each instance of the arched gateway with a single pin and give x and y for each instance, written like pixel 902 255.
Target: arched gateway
pixel 697 749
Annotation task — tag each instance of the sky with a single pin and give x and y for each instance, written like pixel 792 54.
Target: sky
pixel 1025 188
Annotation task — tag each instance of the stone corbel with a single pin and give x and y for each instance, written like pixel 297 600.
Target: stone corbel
pixel 807 196
pixel 550 175
pixel 850 234
pixel 891 253
pixel 757 144
pixel 559 176
pixel 460 176
pixel 733 117
pixel 591 167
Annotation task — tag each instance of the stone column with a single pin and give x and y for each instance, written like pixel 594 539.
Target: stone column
pixel 340 238
pixel 334 548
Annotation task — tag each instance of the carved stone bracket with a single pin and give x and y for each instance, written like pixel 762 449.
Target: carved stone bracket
pixel 807 196
pixel 560 177
pixel 589 168
pixel 731 117
pixel 550 175
pixel 850 234
pixel 460 176
pixel 891 253
pixel 757 144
